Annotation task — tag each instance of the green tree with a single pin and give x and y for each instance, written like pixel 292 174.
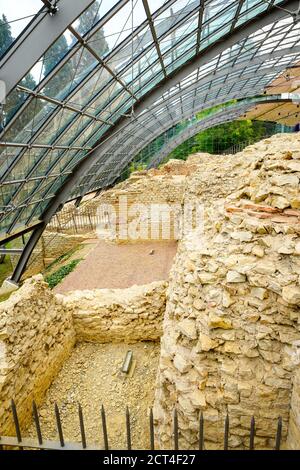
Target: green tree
pixel 17 97
pixel 6 38
pixel 60 81
pixel 220 138
pixel 98 42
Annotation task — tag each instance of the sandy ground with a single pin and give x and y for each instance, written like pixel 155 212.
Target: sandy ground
pixel 92 377
pixel 112 266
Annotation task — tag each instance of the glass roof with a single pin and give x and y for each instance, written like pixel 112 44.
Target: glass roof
pixel 103 67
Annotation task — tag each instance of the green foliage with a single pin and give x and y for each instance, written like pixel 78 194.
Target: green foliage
pixel 220 138
pixel 63 78
pixel 56 277
pixel 15 99
pixel 137 166
pixel 5 296
pixel 6 38
pixel 207 112
pixel 5 269
pixel 63 258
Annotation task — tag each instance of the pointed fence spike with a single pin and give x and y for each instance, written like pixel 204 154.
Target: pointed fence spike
pixel 16 421
pixel 278 434
pixel 175 424
pixel 37 423
pixel 104 428
pixel 152 445
pixel 59 426
pixel 226 432
pixel 128 431
pixel 82 429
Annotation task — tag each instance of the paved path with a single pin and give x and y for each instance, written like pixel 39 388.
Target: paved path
pixel 119 266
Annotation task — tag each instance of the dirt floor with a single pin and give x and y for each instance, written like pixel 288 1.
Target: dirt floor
pixel 92 377
pixel 109 265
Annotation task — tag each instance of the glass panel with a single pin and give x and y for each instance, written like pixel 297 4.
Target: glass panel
pixel 56 126
pixel 168 18
pixel 118 28
pixel 72 73
pixel 6 192
pixel 213 25
pixel 25 164
pixel 52 57
pixel 104 98
pixel 7 156
pixel 33 116
pixel 74 130
pixel 91 88
pixel 14 17
pixel 122 58
pixel 92 15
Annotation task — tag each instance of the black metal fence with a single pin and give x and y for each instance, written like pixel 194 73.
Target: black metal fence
pixel 21 443
pixel 75 222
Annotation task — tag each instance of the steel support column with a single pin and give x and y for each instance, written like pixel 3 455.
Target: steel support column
pixel 27 252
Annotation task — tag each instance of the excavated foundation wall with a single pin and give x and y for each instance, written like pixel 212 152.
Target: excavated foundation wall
pixel 116 315
pixel 293 440
pixel 39 329
pixel 231 333
pixel 150 197
pixel 36 337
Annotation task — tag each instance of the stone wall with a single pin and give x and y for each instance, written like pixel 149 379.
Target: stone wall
pixel 231 332
pixel 164 186
pixel 138 199
pixel 116 315
pixel 39 329
pixel 293 440
pixel 36 337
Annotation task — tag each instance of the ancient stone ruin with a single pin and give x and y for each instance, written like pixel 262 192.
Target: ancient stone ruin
pixel 228 318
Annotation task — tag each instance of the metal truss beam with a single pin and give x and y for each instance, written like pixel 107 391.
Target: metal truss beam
pixel 168 125
pixel 238 109
pixel 36 39
pixel 206 80
pixel 17 234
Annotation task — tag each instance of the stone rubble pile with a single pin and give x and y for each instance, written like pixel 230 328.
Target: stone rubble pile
pixel 231 333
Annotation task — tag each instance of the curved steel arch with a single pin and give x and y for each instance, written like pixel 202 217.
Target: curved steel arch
pixel 169 122
pixel 17 214
pixel 237 109
pixel 238 32
pixel 199 126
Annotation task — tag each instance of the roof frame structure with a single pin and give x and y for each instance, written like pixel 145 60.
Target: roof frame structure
pixel 159 95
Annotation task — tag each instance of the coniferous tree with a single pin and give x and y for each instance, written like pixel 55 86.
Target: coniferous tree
pixel 17 97
pixel 98 42
pixel 60 83
pixel 6 38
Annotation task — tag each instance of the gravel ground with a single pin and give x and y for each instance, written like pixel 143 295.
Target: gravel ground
pixel 114 266
pixel 92 377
